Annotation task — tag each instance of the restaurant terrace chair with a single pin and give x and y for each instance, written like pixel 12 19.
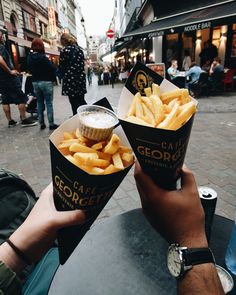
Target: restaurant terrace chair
pixel 201 86
pixel 229 79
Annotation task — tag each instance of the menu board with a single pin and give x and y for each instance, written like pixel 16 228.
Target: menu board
pixel 159 68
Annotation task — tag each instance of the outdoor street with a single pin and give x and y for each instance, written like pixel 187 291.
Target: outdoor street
pixel 211 152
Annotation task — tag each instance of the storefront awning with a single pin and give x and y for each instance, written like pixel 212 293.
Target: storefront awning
pixel 221 14
pixel 20 41
pixel 26 43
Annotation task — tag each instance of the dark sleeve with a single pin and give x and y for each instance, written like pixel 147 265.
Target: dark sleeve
pixel 80 61
pixel 51 68
pixel 9 283
pixel 29 65
pixel 62 61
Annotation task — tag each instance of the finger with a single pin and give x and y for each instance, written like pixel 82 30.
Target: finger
pixel 146 184
pixel 69 218
pixel 187 179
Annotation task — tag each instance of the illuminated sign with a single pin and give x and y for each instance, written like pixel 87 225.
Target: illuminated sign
pixel 52 26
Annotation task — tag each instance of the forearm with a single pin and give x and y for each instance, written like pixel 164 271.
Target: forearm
pixel 11 259
pixel 201 279
pixel 4 66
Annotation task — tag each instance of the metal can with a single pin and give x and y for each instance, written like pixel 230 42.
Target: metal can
pixel 208 198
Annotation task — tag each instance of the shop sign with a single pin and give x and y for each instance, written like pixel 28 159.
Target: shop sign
pixel 128 38
pixel 156 34
pixel 197 27
pixel 52 26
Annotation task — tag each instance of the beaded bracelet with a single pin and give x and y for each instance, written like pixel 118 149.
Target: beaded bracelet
pixel 18 252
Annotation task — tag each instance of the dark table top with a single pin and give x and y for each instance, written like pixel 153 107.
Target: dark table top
pixel 125 255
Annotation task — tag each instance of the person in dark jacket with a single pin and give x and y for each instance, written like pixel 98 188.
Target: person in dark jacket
pixel 10 88
pixel 72 70
pixel 43 75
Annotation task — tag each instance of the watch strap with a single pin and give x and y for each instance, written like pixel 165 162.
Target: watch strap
pixel 193 256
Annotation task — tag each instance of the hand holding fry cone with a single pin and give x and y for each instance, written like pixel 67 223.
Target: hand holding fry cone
pixel 157 118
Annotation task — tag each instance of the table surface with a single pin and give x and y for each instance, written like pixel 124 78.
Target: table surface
pixel 124 255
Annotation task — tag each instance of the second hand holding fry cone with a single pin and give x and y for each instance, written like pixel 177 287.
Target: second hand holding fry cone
pixel 85 173
pixel 157 120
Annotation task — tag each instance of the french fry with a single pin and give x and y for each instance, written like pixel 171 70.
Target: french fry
pixel 138 121
pixel 77 147
pixel 186 113
pixel 67 135
pixel 124 149
pixel 166 97
pixel 139 110
pixel 148 114
pixel 167 110
pixel 147 102
pixel 97 158
pixel 127 157
pixel 67 143
pixel 185 98
pixel 113 145
pixel 132 108
pixel 170 117
pixel 148 91
pixel 98 146
pixel 111 169
pixel 156 89
pixel 97 171
pixel 117 161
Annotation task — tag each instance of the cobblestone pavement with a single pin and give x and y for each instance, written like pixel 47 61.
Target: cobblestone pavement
pixel 211 152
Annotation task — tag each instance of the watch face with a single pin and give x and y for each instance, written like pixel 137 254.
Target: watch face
pixel 174 261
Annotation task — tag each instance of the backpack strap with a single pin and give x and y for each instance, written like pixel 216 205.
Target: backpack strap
pixel 8 178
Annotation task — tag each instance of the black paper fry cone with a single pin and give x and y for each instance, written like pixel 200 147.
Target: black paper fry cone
pixel 160 152
pixel 75 189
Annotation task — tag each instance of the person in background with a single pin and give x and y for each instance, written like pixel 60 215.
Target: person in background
pixel 212 51
pixel 193 74
pixel 71 67
pixel 203 54
pixel 43 75
pixel 37 234
pixel 173 69
pixel 89 74
pixel 216 66
pixel 187 60
pixel 106 76
pixel 113 74
pixel 206 66
pixel 10 89
pixel 216 75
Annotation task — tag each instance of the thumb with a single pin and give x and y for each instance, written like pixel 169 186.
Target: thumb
pixel 69 218
pixel 187 179
pixel 146 184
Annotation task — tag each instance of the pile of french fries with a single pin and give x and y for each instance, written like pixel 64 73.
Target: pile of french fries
pixel 99 158
pixel 168 110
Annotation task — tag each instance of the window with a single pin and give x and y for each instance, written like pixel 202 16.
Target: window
pixel 29 21
pixel 216 36
pixel 233 49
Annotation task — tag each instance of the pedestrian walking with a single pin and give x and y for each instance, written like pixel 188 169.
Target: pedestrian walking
pixel 43 75
pixel 113 75
pixel 72 71
pixel 10 89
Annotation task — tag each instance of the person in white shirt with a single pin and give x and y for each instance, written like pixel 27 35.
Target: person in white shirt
pixel 187 61
pixel 173 69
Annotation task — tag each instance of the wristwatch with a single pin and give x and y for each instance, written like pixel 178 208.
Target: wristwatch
pixel 182 259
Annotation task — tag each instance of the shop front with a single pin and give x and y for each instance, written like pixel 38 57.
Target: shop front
pixel 190 30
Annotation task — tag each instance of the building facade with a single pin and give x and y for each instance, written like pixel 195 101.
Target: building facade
pixel 22 21
pixel 163 33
